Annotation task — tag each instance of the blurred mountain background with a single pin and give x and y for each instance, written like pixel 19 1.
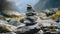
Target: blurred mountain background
pixel 20 5
pixel 47 4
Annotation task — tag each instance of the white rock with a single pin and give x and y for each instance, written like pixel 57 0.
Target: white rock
pixel 14 22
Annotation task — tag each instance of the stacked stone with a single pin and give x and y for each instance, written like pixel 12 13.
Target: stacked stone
pixel 30 22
